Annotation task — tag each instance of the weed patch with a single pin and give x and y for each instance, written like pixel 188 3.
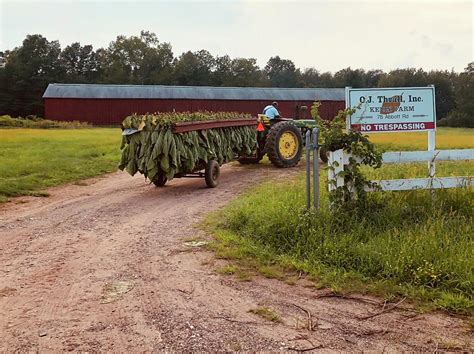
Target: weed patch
pixel 414 244
pixel 266 313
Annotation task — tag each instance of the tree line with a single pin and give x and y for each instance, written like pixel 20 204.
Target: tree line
pixel 26 71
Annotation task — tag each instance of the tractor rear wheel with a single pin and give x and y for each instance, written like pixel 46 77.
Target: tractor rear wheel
pixel 284 144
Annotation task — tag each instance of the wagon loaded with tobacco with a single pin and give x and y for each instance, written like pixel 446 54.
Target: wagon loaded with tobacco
pixel 164 146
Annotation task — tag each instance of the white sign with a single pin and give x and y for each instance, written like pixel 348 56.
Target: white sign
pixel 392 109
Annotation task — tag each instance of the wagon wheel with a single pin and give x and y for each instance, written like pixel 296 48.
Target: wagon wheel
pixel 211 173
pixel 160 179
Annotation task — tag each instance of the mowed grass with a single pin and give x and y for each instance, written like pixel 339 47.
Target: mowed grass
pixel 400 244
pixel 34 159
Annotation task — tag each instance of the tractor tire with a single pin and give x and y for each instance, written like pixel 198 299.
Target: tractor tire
pixel 211 173
pixel 323 154
pixel 160 179
pixel 284 144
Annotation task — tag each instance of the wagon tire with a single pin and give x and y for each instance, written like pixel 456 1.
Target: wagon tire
pixel 211 173
pixel 160 180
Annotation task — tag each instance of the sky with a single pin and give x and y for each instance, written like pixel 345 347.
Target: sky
pixel 326 35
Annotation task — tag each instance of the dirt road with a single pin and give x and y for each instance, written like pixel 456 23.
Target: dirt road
pixel 106 266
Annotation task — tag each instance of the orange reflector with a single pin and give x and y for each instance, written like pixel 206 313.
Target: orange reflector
pixel 260 127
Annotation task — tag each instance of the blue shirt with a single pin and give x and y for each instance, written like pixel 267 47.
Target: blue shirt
pixel 271 112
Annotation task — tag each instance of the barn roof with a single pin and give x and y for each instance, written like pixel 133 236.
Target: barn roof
pixel 192 92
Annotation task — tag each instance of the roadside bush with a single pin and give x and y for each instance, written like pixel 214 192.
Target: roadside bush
pixel 35 122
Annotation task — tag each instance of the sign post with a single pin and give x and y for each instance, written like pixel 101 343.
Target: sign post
pixel 432 141
pixel 398 109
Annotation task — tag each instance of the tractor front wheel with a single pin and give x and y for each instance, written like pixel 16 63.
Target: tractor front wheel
pixel 284 144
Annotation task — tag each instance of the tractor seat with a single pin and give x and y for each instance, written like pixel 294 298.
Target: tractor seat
pixel 264 119
pixel 267 121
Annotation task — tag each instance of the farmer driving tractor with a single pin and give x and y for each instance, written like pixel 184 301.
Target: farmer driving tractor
pixel 271 111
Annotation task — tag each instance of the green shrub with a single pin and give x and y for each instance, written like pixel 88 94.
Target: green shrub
pixel 458 120
pixel 35 122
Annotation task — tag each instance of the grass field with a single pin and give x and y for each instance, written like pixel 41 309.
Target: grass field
pixel 34 159
pixel 446 138
pixel 402 244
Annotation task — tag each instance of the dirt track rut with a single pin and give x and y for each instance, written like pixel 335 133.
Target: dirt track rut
pixel 63 257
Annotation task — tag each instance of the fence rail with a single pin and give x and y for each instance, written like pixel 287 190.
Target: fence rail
pixel 339 158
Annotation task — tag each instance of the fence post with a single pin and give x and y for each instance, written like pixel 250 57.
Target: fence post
pixel 339 158
pixel 336 165
pixel 431 147
pixel 316 168
pixel 308 169
pixel 331 174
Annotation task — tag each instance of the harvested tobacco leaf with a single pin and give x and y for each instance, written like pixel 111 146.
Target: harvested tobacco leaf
pixel 155 149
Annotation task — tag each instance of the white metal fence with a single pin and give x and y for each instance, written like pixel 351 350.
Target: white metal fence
pixel 339 158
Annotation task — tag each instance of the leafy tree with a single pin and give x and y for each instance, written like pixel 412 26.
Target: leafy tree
pixel 463 114
pixel 282 72
pixel 313 78
pixel 3 58
pixel 444 89
pixel 469 68
pixel 27 72
pixel 372 77
pixel 310 77
pixel 245 72
pixel 348 77
pixel 404 78
pixel 80 63
pixel 138 60
pixel 327 80
pixel 465 91
pixel 222 74
pixel 194 68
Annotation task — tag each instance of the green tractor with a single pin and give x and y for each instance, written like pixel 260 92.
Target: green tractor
pixel 281 139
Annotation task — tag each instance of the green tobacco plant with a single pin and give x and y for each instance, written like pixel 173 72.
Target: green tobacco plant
pixel 156 149
pixel 334 136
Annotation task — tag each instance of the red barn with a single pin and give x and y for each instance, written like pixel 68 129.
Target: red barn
pixel 109 104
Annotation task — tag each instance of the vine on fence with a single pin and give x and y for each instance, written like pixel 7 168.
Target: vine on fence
pixel 334 137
